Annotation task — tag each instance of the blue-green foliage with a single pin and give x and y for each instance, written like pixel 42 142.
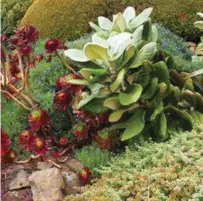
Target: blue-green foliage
pixel 93 157
pixel 177 47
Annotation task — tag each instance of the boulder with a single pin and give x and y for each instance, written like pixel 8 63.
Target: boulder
pixel 46 185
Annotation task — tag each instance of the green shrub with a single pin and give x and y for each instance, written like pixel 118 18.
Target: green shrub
pixel 12 11
pixel 157 171
pixel 93 157
pixel 66 19
pixel 63 19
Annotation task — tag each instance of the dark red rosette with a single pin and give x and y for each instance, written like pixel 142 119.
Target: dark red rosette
pixel 26 50
pixel 106 139
pixel 26 139
pixel 11 156
pixel 81 130
pixel 28 33
pixel 84 176
pixel 63 141
pixel 62 100
pixel 5 143
pixel 40 146
pixel 53 44
pixel 38 119
pixel 62 83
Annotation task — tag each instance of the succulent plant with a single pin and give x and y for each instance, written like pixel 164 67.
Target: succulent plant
pixel 127 74
pixel 199 24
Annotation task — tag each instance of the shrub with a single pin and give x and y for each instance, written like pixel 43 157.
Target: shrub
pixel 12 12
pixel 156 171
pixel 93 157
pixel 66 19
pixel 63 19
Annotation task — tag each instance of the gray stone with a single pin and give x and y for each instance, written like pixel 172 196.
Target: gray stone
pixel 46 185
pixel 74 165
pixel 44 165
pixel 71 179
pixel 19 181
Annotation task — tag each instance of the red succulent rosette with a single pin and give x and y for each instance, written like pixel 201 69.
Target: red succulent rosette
pixel 84 176
pixel 11 156
pixel 40 146
pixel 106 139
pixel 38 119
pixel 53 44
pixel 62 83
pixel 5 143
pixel 62 100
pixel 26 139
pixel 81 131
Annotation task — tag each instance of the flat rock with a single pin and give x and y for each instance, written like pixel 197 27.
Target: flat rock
pixel 74 165
pixel 46 185
pixel 19 181
pixel 44 165
pixel 71 179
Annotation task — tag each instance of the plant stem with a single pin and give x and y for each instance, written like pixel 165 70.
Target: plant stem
pixel 21 66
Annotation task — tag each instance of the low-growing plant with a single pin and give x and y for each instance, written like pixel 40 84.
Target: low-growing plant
pixel 127 74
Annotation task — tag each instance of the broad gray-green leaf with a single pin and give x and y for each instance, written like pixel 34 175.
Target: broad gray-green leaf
pixel 141 18
pixel 135 125
pixel 199 24
pixel 146 53
pixel 99 41
pixel 114 86
pixel 116 115
pixel 129 53
pixel 94 51
pixel 95 90
pixel 129 14
pixel 77 82
pixel 132 96
pixel 119 24
pixel 104 23
pixel 87 72
pixel 94 26
pixel 76 55
pixel 112 103
pixel 137 35
pixel 154 36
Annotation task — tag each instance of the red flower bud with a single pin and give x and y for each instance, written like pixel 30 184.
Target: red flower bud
pixel 38 119
pixel 51 45
pixel 40 146
pixel 84 176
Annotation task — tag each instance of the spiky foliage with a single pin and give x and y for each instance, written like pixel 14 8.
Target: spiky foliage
pixel 128 74
pixel 93 157
pixel 156 171
pixel 12 12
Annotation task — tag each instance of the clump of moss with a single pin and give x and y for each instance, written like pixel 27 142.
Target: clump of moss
pixel 63 19
pixel 67 19
pixel 93 158
pixel 157 171
pixel 12 11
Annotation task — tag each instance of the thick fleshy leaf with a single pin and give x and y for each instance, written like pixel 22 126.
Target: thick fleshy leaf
pixel 116 115
pixel 160 127
pixel 100 41
pixel 94 26
pixel 135 125
pixel 129 53
pixel 157 111
pixel 141 18
pixel 112 103
pixel 121 75
pixel 105 23
pixel 76 55
pixel 137 35
pixel 77 82
pixel 95 90
pixel 146 53
pixel 129 14
pixel 197 117
pixel 119 43
pixel 95 106
pixel 149 92
pixel 95 51
pixel 199 24
pixel 132 96
pixel 87 72
pixel 119 24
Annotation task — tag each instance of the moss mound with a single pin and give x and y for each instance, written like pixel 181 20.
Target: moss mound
pixel 68 19
pixel 12 11
pixel 153 171
pixel 63 19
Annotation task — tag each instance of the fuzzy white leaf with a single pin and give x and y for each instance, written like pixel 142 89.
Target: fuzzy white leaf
pixel 76 55
pixel 105 23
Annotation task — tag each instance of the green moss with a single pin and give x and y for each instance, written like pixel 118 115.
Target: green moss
pixel 12 11
pixel 63 19
pixel 93 158
pixel 67 19
pixel 160 171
